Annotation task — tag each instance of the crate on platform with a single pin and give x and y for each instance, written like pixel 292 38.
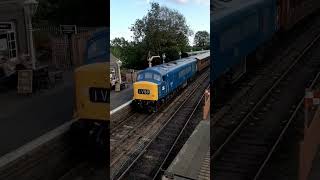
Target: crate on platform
pixel 25 82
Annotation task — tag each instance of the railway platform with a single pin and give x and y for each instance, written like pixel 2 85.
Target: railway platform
pixel 193 160
pixel 119 98
pixel 24 118
pixel 315 171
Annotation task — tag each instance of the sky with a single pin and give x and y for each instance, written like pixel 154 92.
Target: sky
pixel 125 12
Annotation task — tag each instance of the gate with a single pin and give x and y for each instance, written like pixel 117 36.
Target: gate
pixel 65 53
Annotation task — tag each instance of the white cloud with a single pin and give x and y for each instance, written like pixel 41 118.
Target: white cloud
pixel 204 2
pixel 201 2
pixel 180 1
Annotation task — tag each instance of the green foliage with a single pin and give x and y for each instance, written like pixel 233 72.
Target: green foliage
pixel 202 40
pixel 128 52
pixel 161 30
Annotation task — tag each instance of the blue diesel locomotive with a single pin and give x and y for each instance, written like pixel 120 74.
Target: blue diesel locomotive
pixel 155 85
pixel 238 27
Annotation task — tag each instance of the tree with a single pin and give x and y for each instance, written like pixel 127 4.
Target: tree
pixel 162 30
pixel 202 39
pixel 129 53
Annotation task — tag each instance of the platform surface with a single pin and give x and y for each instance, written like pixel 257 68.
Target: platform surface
pixel 190 161
pixel 315 171
pixel 119 98
pixel 24 118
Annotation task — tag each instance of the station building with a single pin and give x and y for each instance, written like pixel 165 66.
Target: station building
pixel 13 29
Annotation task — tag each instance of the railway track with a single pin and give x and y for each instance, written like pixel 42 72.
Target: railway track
pixel 256 83
pixel 128 139
pixel 249 144
pixel 284 130
pixel 284 161
pixel 148 161
pixel 87 171
pixel 250 90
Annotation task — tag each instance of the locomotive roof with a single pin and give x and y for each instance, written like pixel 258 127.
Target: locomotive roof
pixel 172 65
pixel 202 55
pixel 222 8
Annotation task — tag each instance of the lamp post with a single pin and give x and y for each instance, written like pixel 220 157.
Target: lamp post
pixel 180 54
pixel 30 8
pixel 163 57
pixel 150 60
pixel 119 70
pixel 132 71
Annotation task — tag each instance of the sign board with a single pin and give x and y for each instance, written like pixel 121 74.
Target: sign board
pixel 25 81
pixel 6 26
pixel 68 29
pixel 3 44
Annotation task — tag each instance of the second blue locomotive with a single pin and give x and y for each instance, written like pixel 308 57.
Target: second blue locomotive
pixel 238 28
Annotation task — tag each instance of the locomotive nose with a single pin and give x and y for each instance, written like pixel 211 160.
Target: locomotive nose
pixel 144 90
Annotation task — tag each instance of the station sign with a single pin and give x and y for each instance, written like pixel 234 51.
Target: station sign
pixel 68 29
pixel 6 26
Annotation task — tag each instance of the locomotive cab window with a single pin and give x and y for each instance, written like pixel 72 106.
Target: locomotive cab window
pixel 157 77
pixel 140 77
pixel 148 75
pixel 96 48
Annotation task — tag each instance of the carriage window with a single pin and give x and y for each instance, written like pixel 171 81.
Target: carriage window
pixel 157 77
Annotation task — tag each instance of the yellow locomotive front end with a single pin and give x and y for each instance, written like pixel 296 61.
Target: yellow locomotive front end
pixel 89 132
pixel 144 90
pixel 92 92
pixel 145 96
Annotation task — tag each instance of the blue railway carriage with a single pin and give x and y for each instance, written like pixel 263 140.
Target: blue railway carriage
pixel 156 84
pixel 238 27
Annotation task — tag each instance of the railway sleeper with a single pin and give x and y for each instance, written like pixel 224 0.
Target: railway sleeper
pixel 139 176
pixel 240 160
pixel 163 144
pixel 228 168
pixel 253 133
pixel 241 157
pixel 169 134
pixel 247 150
pixel 252 142
pixel 144 167
pixel 171 131
pixel 164 138
pixel 173 128
pixel 159 148
pixel 148 158
pixel 228 176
